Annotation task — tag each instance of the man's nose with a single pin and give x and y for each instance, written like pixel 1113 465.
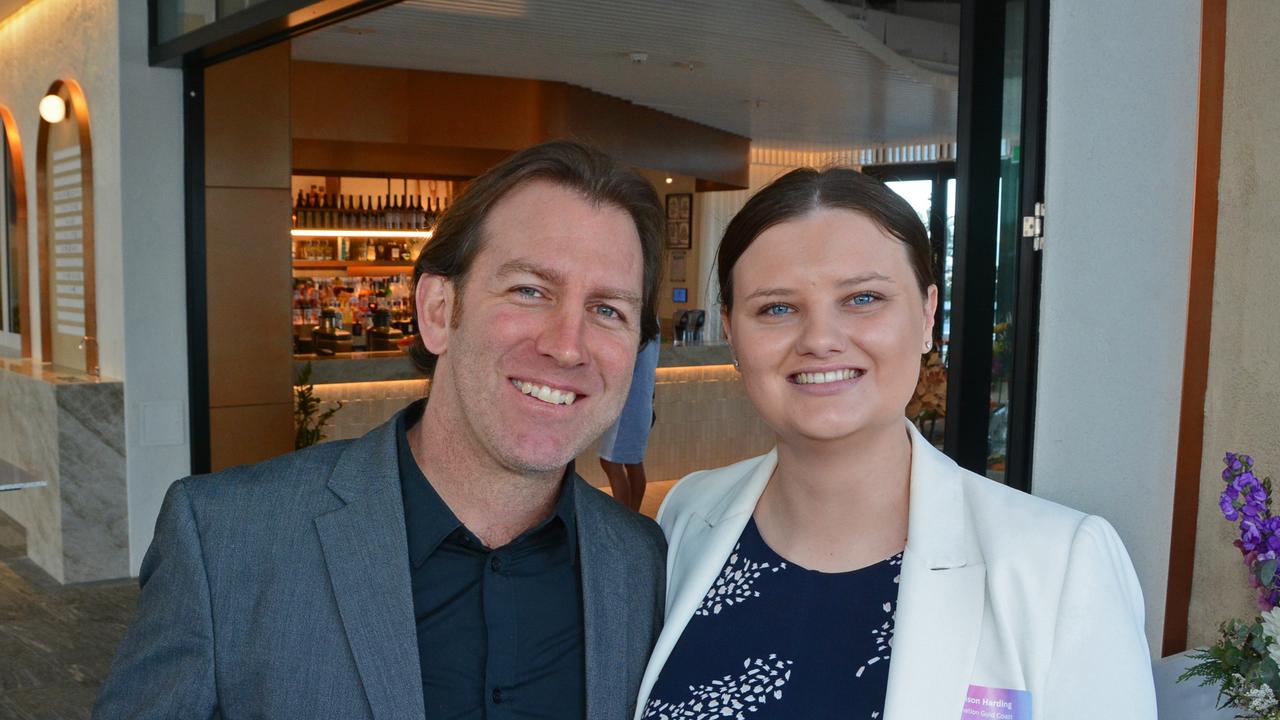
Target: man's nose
pixel 562 339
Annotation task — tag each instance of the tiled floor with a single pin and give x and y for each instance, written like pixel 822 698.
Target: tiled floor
pixel 56 642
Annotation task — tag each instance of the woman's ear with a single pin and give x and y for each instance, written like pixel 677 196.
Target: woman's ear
pixel 930 311
pixel 435 297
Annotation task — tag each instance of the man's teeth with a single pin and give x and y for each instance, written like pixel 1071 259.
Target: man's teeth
pixel 545 394
pixel 818 378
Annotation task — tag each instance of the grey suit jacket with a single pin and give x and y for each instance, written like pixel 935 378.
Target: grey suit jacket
pixel 281 590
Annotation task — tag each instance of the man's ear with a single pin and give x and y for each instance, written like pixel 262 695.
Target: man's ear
pixel 435 298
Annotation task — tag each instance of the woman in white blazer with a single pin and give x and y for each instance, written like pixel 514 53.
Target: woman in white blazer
pixel 987 602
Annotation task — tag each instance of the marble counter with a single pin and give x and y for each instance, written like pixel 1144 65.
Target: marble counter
pixel 66 429
pixel 388 366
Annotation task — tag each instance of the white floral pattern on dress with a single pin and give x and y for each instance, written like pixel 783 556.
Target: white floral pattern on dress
pixel 734 584
pixel 882 636
pixel 728 697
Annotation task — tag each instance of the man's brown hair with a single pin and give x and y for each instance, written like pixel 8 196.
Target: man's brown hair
pixel 600 179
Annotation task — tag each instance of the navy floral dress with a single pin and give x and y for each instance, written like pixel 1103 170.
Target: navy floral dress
pixel 773 640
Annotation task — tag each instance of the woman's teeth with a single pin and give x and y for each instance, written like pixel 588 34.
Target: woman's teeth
pixel 818 378
pixel 545 394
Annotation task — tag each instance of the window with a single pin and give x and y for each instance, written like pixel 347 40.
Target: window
pixel 12 239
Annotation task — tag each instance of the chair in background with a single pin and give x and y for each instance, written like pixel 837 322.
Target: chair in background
pixel 697 321
pixel 680 327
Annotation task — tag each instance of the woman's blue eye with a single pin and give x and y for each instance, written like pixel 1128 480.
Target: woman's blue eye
pixel 863 299
pixel 775 310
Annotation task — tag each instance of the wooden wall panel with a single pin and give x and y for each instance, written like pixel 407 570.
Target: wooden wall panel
pixel 349 102
pixel 357 159
pixel 249 434
pixel 250 341
pixel 248 268
pixel 347 119
pixel 247 120
pixel 648 138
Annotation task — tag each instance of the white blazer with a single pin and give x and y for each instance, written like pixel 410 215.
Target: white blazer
pixel 998 589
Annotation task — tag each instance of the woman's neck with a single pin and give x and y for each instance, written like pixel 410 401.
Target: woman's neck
pixel 839 505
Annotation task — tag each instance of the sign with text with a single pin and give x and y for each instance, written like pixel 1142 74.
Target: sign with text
pixel 67 282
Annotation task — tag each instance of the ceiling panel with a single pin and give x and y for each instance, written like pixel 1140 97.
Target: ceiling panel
pixel 766 69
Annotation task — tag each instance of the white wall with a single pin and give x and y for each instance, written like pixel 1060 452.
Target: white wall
pixel 1119 167
pixel 155 323
pixel 135 115
pixel 49 40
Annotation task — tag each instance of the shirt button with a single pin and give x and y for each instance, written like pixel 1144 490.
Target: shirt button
pixel 497 696
pixel 495 562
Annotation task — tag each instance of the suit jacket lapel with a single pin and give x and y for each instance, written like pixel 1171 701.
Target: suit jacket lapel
pixel 713 536
pixel 941 594
pixel 367 556
pixel 607 635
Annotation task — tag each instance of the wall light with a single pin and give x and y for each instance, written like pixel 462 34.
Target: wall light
pixel 53 109
pixel 669 181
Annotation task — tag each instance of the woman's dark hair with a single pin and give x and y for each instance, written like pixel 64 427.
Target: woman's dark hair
pixel 601 180
pixel 806 190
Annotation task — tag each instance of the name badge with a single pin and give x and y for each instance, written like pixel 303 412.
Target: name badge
pixel 989 703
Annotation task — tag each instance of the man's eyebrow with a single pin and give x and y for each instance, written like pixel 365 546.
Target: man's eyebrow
pixel 512 267
pixel 786 292
pixel 555 277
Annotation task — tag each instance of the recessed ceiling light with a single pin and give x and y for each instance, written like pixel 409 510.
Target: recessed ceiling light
pixel 638 58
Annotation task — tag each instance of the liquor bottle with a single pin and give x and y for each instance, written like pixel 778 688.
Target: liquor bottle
pixel 386 214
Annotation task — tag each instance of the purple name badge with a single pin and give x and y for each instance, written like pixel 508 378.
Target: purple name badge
pixel 988 703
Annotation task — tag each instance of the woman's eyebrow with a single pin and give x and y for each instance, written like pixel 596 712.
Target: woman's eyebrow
pixel 855 280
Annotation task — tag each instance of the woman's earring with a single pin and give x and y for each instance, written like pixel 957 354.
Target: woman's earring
pixel 735 362
pixel 928 346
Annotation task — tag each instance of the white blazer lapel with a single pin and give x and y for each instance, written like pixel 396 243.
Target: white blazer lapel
pixel 712 535
pixel 941 595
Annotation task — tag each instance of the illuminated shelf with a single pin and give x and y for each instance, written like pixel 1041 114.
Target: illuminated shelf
pixel 355 233
pixel 350 268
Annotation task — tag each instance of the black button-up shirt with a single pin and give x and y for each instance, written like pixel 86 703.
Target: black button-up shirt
pixel 499 631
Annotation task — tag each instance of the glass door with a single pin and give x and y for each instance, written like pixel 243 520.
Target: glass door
pixel 995 294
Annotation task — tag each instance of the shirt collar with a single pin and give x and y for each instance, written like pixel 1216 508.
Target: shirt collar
pixel 428 519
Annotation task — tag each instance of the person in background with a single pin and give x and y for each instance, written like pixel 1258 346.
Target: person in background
pixel 855 571
pixel 622 446
pixel 450 563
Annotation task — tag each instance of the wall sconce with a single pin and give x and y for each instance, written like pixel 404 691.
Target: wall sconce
pixel 53 109
pixel 669 180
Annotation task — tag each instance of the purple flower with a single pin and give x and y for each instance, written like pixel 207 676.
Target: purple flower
pixel 1228 506
pixel 1250 535
pixel 1229 458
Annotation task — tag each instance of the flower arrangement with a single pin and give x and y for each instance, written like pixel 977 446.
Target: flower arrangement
pixel 1245 662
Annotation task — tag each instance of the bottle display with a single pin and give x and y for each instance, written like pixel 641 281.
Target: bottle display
pixel 318 210
pixel 361 303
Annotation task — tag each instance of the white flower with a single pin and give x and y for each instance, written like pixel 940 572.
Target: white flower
pixel 1271 628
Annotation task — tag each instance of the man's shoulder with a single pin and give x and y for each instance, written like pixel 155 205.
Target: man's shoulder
pixel 597 508
pixel 293 475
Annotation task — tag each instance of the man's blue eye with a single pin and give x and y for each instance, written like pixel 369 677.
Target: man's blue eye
pixel 527 291
pixel 607 311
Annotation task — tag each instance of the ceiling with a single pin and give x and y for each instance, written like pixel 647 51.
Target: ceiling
pixel 781 72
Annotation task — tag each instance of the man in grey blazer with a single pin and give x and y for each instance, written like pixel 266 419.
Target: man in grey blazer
pixel 450 563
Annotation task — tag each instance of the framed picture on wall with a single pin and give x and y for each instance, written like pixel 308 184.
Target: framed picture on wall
pixel 679 216
pixel 676 267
